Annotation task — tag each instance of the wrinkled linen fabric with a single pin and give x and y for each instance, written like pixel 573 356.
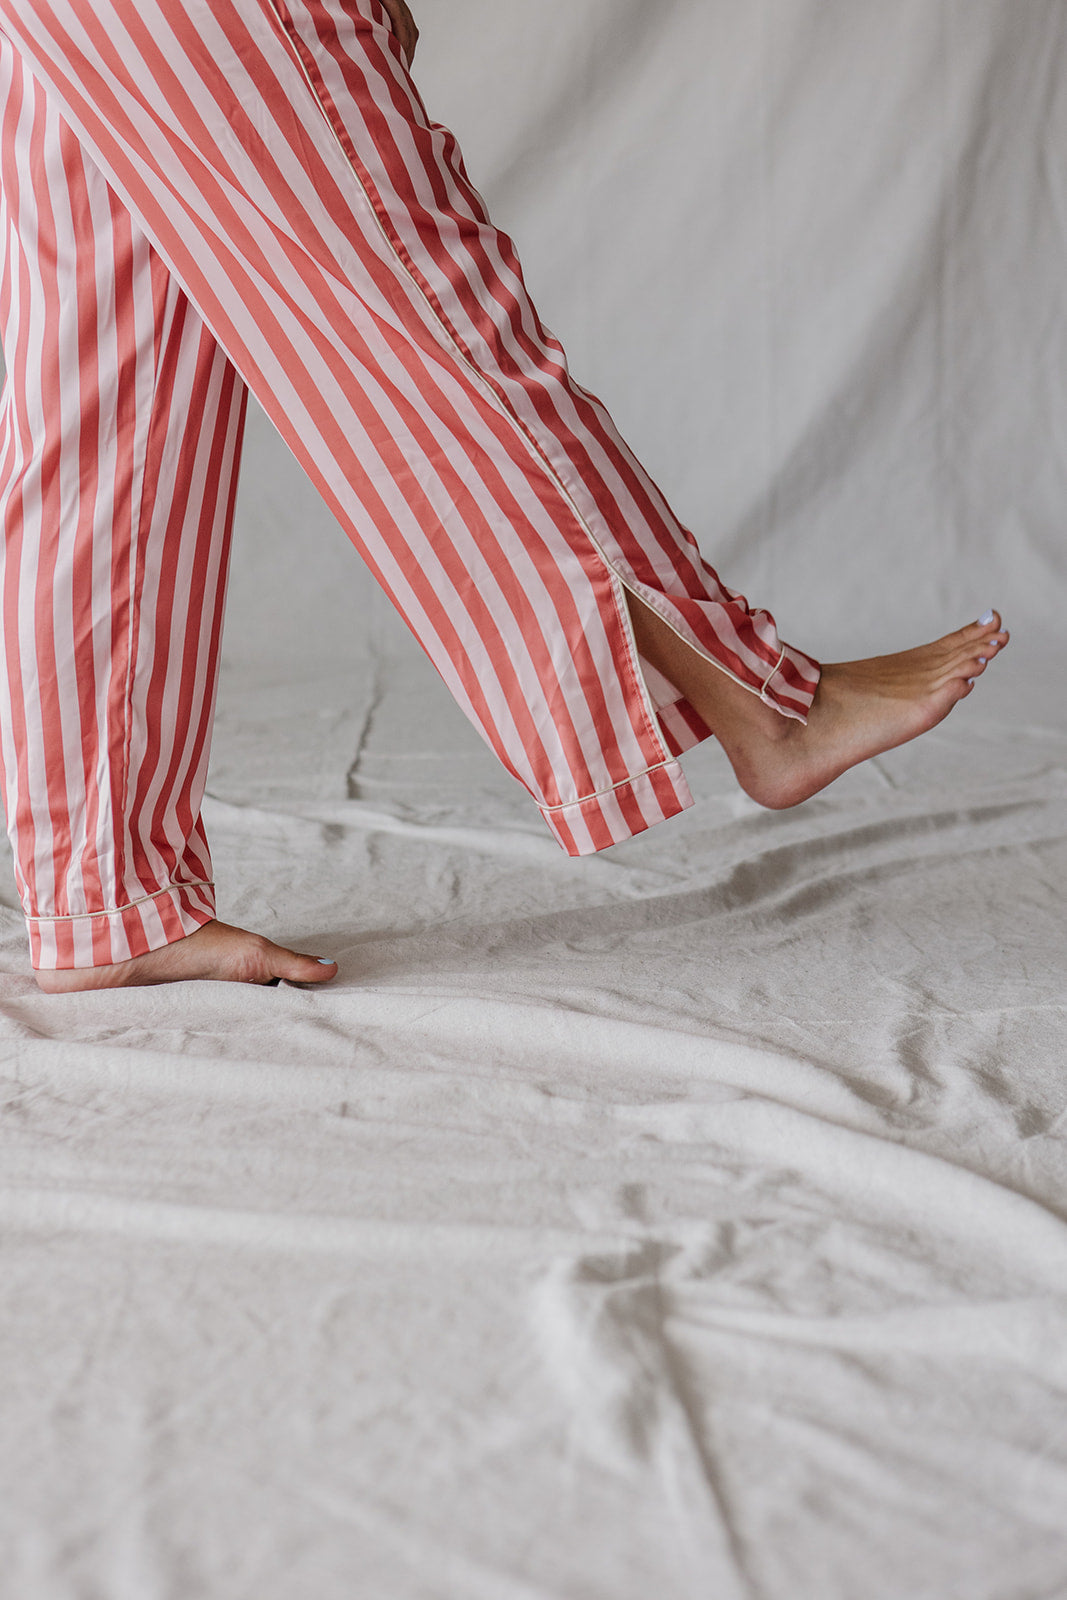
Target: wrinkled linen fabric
pixel 687 1220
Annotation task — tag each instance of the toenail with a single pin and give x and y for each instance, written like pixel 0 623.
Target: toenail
pixel 971 681
pixel 981 661
pixel 986 621
pixel 323 962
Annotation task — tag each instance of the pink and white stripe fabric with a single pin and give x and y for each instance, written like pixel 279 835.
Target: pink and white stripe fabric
pixel 196 189
pixel 121 438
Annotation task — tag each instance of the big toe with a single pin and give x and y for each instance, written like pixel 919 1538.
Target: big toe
pixel 989 626
pixel 293 967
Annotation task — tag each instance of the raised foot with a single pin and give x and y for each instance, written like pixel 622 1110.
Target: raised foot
pixel 215 951
pixel 861 709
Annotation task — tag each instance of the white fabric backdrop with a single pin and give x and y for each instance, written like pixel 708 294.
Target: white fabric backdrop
pixel 688 1221
pixel 812 254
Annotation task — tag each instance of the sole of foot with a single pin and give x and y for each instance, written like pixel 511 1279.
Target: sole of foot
pixel 216 952
pixel 860 710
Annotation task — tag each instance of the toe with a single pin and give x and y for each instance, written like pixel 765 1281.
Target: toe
pixel 992 646
pixel 260 961
pixel 294 967
pixel 974 649
pixel 986 627
pixel 968 663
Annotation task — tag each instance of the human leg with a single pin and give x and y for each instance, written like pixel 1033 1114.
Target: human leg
pixel 121 432
pixel 283 165
pixel 122 425
pixel 281 161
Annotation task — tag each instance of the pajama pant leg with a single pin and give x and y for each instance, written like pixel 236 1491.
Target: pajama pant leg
pixel 280 161
pixel 121 433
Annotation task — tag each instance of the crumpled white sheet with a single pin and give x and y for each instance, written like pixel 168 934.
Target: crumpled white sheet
pixel 685 1221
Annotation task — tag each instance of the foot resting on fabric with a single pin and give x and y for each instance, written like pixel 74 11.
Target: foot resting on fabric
pixel 229 955
pixel 861 708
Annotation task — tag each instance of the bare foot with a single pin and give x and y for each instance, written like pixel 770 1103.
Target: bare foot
pixel 861 708
pixel 229 955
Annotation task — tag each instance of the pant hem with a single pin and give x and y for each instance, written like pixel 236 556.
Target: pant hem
pixel 584 826
pixel 100 938
pixel 791 687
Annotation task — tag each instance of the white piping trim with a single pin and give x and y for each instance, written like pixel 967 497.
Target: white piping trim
pixel 698 650
pixel 601 793
pixel 87 916
pixel 772 672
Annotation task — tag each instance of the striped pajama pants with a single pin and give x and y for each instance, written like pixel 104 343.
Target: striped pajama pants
pixel 206 197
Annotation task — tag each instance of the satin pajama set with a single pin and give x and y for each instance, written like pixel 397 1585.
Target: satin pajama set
pixel 203 198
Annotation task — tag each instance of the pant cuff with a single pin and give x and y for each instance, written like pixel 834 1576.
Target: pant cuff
pixel 791 686
pixel 98 939
pixel 599 820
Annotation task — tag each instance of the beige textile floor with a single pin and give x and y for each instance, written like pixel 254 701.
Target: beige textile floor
pixel 685 1221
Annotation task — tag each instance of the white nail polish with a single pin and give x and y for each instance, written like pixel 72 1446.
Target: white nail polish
pixel 981 661
pixel 987 620
pixel 971 682
pixel 322 961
